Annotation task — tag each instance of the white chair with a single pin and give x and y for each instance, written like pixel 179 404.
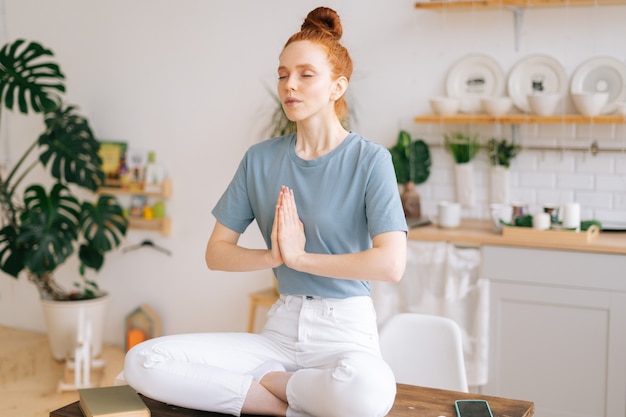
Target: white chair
pixel 424 350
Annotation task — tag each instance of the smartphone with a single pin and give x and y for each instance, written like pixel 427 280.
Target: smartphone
pixel 472 408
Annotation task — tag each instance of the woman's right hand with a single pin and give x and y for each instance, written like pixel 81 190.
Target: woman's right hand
pixel 276 258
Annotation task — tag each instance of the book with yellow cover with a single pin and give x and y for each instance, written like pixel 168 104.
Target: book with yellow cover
pixel 116 401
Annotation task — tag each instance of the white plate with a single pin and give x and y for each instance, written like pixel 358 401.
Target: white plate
pixel 536 74
pixel 601 74
pixel 473 77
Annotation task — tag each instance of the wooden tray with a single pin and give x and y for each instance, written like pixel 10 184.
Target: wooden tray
pixel 528 233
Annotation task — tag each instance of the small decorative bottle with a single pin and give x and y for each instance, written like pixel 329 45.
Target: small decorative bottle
pixel 154 175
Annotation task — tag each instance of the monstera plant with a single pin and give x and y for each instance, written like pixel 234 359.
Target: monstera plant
pixel 50 222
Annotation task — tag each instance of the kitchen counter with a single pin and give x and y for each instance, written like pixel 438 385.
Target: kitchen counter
pixel 480 232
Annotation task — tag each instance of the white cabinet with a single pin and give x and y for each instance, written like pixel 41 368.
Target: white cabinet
pixel 558 330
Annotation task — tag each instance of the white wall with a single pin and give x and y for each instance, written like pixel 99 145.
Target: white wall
pixel 187 80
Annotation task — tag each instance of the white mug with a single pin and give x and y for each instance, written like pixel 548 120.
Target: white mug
pixel 541 221
pixel 571 216
pixel 448 214
pixel 500 212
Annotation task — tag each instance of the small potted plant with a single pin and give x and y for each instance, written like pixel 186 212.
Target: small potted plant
pixel 500 155
pixel 43 229
pixel 411 162
pixel 463 149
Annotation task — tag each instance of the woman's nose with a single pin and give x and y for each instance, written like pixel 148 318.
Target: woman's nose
pixel 290 83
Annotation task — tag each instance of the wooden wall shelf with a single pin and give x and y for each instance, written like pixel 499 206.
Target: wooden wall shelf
pixel 521 119
pixel 165 192
pixel 156 225
pixel 163 225
pixel 515 6
pixel 494 4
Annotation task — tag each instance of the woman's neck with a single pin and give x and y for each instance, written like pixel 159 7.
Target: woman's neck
pixel 314 141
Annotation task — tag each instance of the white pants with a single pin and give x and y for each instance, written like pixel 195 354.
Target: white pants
pixel 330 344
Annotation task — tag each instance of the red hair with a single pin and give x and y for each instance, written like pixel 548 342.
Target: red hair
pixel 322 26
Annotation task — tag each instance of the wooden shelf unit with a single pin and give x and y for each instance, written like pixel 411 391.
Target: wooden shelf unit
pixel 163 225
pixel 516 6
pixel 521 119
pixel 165 193
pixel 494 4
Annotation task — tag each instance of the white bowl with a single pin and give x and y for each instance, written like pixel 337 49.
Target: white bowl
pixel 621 108
pixel 496 106
pixel 445 106
pixel 543 104
pixel 590 104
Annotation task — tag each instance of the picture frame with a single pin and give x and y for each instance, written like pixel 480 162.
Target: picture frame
pixel 113 155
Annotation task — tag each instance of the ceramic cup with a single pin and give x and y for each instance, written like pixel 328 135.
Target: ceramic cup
pixel 553 211
pixel 500 212
pixel 448 214
pixel 571 216
pixel 541 221
pixel 519 210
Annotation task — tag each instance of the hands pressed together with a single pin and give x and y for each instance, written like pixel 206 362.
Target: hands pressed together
pixel 288 238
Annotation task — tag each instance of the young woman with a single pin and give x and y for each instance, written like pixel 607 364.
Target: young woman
pixel 327 204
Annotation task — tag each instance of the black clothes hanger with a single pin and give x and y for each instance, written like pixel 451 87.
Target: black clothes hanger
pixel 148 243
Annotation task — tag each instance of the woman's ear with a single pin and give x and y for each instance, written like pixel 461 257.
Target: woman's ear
pixel 340 87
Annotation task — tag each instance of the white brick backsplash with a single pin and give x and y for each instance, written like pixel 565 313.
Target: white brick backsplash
pixel 575 181
pixel 525 161
pixel 619 202
pixel 522 195
pixel 556 196
pixel 539 177
pixel 595 164
pixel 611 183
pixel 554 162
pixel 537 180
pixel 594 200
pixel 617 216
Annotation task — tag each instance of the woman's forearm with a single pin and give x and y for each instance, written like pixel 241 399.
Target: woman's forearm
pixel 225 256
pixel 385 261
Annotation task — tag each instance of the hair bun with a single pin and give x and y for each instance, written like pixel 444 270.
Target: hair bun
pixel 323 19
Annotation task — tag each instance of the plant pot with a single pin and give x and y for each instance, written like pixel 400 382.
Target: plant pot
pixel 499 192
pixel 411 202
pixel 464 178
pixel 62 318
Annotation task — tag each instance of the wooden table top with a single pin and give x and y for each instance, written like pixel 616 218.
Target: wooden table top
pixel 480 232
pixel 411 401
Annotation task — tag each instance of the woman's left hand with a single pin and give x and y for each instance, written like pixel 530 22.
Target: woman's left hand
pixel 291 237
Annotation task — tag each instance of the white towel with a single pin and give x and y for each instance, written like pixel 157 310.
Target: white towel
pixel 443 279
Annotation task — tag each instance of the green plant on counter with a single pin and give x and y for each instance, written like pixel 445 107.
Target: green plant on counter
pixel 411 159
pixel 40 231
pixel 462 147
pixel 501 152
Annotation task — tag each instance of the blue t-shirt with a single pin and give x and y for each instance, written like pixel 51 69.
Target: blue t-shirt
pixel 344 198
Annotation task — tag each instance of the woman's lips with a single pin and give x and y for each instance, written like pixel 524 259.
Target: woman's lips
pixel 289 101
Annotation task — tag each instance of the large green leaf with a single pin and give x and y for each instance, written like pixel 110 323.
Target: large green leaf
pixel 71 149
pixel 103 226
pixel 49 227
pixel 28 78
pixel 11 254
pixel 419 161
pixel 411 159
pixel 400 155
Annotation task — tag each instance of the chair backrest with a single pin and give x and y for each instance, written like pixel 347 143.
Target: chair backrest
pixel 424 350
